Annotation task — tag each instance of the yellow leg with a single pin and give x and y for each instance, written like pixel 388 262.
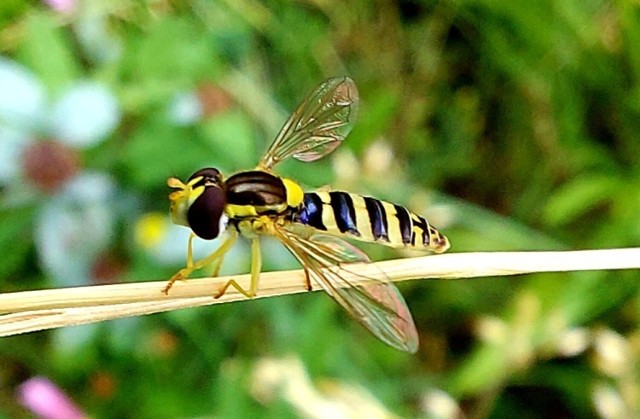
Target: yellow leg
pixel 182 274
pixel 256 266
pixel 215 271
pixel 190 250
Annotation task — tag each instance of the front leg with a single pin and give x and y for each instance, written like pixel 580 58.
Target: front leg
pixel 217 255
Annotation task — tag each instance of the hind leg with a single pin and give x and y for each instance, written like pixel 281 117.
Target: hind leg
pixel 256 266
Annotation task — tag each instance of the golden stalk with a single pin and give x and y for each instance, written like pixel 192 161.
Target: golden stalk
pixel 28 311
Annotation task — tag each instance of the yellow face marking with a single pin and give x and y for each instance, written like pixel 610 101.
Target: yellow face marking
pixel 182 199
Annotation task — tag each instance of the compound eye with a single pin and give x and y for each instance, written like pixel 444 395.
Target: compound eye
pixel 209 175
pixel 206 215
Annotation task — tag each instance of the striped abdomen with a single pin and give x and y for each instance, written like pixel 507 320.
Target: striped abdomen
pixel 369 219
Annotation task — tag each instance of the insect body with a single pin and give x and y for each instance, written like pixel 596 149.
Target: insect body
pixel 310 225
pixel 369 219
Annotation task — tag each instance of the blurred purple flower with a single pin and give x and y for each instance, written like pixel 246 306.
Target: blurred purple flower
pixel 46 400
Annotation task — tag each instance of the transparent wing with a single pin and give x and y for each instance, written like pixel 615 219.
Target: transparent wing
pixel 379 306
pixel 319 124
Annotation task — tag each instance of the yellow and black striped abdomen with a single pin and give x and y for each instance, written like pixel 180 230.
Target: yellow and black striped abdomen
pixel 369 219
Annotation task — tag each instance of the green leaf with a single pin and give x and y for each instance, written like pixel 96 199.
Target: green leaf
pixel 159 149
pixel 376 112
pixel 175 52
pixel 15 239
pixel 47 51
pixel 231 136
pixel 577 197
pixel 10 11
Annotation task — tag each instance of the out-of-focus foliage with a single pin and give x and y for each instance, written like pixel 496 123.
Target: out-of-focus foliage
pixel 511 125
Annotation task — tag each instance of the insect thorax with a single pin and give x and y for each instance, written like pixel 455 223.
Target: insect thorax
pixel 255 193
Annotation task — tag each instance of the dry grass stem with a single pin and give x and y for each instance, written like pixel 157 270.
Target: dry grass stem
pixel 29 311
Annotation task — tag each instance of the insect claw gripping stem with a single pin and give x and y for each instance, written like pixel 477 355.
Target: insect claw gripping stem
pixel 180 276
pixel 256 265
pixel 307 280
pixel 215 257
pixel 232 283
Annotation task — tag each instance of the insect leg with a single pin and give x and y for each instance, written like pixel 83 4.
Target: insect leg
pixel 190 250
pixel 217 264
pixel 307 280
pixel 183 273
pixel 256 266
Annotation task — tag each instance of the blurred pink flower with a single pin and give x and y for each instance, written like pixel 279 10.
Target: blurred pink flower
pixel 47 401
pixel 62 6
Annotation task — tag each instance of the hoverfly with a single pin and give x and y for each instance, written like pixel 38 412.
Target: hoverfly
pixel 311 225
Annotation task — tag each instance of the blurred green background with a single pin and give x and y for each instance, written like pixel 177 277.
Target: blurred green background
pixel 510 125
